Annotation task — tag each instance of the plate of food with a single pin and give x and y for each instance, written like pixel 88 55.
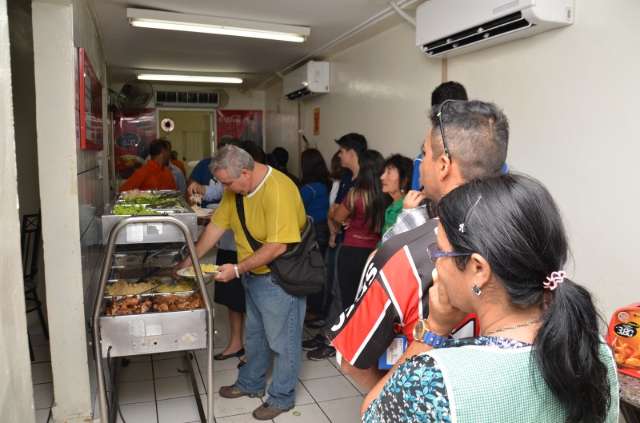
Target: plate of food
pixel 208 270
pixel 202 211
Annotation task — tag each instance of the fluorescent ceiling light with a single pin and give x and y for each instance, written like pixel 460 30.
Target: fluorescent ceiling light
pixel 215 25
pixel 189 78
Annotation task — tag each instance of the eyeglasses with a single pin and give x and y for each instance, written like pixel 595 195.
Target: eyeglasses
pixel 441 124
pixel 435 253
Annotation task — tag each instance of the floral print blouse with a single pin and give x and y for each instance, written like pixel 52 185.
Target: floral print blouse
pixel 417 393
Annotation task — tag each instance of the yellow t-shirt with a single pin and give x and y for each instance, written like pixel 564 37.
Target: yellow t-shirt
pixel 273 213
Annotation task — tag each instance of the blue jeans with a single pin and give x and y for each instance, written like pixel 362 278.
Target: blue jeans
pixel 273 325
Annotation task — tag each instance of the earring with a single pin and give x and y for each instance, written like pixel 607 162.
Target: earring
pixel 476 290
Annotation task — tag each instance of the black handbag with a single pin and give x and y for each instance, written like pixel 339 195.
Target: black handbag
pixel 300 270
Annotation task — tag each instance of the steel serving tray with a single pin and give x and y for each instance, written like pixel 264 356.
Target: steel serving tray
pixel 152 333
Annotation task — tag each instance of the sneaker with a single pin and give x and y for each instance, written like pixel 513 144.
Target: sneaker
pixel 320 353
pixel 315 324
pixel 313 343
pixel 234 392
pixel 268 412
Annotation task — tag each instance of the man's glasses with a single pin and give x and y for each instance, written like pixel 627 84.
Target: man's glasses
pixel 441 124
pixel 435 253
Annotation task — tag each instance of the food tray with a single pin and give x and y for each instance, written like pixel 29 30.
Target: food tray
pixel 165 280
pixel 152 333
pixel 133 259
pixel 151 304
pixel 149 233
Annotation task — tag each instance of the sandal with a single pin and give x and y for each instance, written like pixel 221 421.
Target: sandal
pixel 243 361
pixel 221 356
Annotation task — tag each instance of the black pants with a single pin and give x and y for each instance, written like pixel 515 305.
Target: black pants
pixel 350 262
pixel 230 294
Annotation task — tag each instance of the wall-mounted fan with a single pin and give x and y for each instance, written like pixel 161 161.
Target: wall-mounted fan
pixel 135 95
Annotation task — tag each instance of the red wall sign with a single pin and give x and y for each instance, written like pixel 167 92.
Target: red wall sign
pixel 90 104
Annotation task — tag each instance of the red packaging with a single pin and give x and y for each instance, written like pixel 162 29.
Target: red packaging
pixel 624 339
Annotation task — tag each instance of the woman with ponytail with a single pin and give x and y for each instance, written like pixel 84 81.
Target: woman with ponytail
pixel 500 253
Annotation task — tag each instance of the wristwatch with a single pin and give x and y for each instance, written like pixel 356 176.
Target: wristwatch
pixel 422 333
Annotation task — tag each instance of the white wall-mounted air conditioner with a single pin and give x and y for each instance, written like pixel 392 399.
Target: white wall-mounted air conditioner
pixel 451 27
pixel 309 79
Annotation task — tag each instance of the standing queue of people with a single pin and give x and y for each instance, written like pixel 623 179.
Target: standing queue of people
pixel 399 282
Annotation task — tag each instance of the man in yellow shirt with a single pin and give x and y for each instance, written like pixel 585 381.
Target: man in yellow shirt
pixel 275 216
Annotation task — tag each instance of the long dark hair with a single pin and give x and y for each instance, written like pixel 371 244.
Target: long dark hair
pixel 367 187
pixel 314 168
pixel 513 222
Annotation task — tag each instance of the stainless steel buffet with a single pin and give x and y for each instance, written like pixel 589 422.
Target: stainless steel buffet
pixel 140 307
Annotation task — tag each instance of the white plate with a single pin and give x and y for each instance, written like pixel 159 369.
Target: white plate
pixel 202 211
pixel 189 272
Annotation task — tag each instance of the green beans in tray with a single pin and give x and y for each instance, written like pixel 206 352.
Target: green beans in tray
pixel 133 210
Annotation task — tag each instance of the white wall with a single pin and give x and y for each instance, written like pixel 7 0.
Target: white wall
pixel 380 88
pixel 63 191
pixel 572 97
pixel 16 394
pixel 281 121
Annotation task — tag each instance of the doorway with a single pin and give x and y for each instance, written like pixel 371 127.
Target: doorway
pixel 191 135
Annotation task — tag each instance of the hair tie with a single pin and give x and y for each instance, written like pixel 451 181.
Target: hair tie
pixel 554 279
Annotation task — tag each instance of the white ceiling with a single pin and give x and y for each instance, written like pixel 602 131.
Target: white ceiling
pixel 128 49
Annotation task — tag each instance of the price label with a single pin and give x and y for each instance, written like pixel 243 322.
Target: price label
pixel 154 229
pixel 136 328
pixel 626 330
pixel 135 232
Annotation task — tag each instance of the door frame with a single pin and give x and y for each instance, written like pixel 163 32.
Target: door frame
pixel 212 122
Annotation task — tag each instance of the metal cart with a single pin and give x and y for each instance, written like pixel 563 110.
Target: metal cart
pixel 149 333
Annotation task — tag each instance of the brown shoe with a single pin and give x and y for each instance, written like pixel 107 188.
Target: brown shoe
pixel 268 412
pixel 234 392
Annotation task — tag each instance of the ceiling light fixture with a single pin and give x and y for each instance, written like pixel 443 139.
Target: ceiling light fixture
pixel 189 78
pixel 215 25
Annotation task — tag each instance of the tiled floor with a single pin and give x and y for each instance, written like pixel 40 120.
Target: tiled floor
pixel 152 390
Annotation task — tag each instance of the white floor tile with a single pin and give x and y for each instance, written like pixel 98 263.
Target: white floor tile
pixel 242 418
pixel 135 371
pixel 169 368
pixel 309 413
pixel 43 395
pixel 138 413
pixel 42 415
pixel 41 373
pixel 218 365
pixel 302 395
pixel 363 391
pixel 179 410
pixel 316 370
pixel 345 410
pixel 331 388
pixel 224 378
pixel 224 407
pixel 136 392
pixel 176 387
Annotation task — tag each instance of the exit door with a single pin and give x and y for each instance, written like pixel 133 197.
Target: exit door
pixel 191 136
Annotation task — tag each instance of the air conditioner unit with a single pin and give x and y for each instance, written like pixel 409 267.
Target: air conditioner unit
pixel 309 79
pixel 187 99
pixel 451 27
